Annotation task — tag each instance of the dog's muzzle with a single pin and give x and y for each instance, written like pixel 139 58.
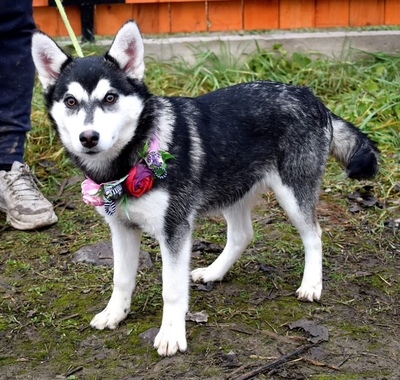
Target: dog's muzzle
pixel 89 139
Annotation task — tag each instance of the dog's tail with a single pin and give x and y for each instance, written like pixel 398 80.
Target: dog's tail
pixel 354 150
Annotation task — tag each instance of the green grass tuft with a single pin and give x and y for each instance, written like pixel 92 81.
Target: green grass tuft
pixel 365 92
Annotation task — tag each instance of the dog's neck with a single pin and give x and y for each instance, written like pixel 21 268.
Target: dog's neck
pixel 137 182
pixel 117 167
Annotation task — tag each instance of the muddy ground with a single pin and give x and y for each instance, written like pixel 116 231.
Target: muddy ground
pixel 47 301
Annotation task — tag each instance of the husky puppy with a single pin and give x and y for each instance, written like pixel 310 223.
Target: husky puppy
pixel 224 149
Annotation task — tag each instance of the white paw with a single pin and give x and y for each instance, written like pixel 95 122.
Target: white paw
pixel 109 318
pixel 170 339
pixel 205 275
pixel 309 292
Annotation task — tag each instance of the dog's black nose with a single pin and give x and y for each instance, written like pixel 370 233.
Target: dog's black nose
pixel 89 139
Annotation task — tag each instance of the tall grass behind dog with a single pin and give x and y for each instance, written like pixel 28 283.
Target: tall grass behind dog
pixel 155 163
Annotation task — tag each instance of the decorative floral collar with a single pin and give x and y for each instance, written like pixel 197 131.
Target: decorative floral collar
pixel 137 182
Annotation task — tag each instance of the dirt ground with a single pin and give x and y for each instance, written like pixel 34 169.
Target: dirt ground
pixel 248 328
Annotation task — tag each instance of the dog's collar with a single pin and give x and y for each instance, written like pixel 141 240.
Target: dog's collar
pixel 137 182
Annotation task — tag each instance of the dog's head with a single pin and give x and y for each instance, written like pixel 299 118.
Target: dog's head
pixel 95 102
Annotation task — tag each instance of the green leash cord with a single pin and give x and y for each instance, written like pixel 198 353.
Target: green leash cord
pixel 67 24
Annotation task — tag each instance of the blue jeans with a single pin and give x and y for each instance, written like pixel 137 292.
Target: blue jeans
pixel 17 76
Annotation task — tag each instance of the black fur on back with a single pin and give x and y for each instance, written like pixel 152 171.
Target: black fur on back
pixel 226 141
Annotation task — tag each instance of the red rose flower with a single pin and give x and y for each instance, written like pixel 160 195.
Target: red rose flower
pixel 140 180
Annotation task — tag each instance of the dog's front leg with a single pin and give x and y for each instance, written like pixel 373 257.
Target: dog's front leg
pixel 126 246
pixel 175 273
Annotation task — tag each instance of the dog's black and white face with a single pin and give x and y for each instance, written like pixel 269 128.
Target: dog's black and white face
pixel 95 102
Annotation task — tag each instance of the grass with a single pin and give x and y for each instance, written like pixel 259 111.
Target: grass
pixel 365 92
pixel 49 301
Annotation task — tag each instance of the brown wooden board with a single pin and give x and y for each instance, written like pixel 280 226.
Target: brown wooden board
pixel 188 17
pixel 260 14
pixel 296 14
pixel 330 13
pixel 176 16
pixel 225 15
pixel 366 12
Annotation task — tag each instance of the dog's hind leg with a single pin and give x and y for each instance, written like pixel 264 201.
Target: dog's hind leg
pixel 303 217
pixel 126 247
pixel 239 235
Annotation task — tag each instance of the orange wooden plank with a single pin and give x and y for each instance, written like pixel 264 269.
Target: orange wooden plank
pixel 40 3
pixel 188 17
pixel 331 13
pixel 260 14
pixel 46 19
pixel 153 18
pixel 225 15
pixel 296 14
pixel 74 17
pixel 367 12
pixel 164 1
pixel 110 18
pixel 392 12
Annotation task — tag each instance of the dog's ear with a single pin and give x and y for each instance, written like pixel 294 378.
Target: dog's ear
pixel 48 58
pixel 128 51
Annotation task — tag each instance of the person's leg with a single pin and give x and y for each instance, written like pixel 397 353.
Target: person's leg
pixel 17 76
pixel 20 198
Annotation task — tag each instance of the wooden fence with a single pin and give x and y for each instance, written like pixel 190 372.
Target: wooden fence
pixel 181 16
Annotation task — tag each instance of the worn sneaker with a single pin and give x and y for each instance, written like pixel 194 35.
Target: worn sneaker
pixel 22 201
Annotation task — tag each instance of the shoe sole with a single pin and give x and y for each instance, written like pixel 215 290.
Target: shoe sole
pixel 39 223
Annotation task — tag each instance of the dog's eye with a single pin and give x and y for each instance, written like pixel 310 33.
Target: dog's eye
pixel 110 98
pixel 70 102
